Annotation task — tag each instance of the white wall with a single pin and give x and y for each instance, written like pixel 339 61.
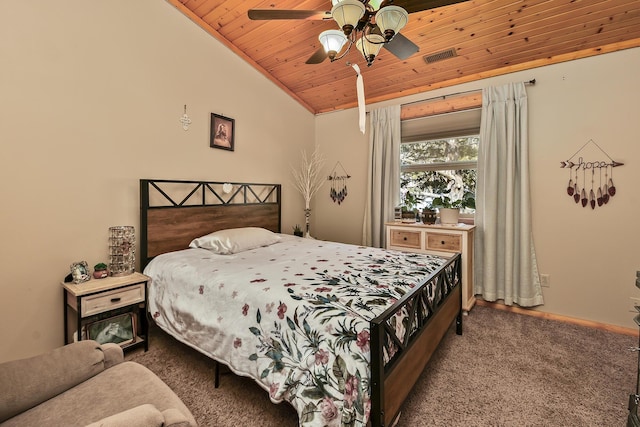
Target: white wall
pixel 340 140
pixel 591 255
pixel 91 95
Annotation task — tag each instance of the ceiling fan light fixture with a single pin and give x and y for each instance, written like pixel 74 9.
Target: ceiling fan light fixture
pixel 390 20
pixel 370 46
pixel 347 13
pixel 375 4
pixel 332 41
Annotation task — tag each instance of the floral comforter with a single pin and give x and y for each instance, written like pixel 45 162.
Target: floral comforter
pixel 294 316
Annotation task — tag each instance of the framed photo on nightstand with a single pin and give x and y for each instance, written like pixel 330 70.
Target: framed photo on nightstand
pixel 80 272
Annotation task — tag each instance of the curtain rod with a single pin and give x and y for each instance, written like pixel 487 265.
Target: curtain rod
pixel 528 82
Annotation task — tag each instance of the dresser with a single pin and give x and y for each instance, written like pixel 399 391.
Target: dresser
pixel 437 239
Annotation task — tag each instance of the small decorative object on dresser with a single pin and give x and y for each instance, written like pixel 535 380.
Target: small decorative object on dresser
pixel 397 213
pixel 80 272
pixel 450 209
pixel 449 216
pixel 122 250
pixel 409 207
pixel 100 271
pixel 429 216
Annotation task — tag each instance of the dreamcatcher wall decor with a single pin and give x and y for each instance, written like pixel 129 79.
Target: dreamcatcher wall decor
pixel 600 193
pixel 338 190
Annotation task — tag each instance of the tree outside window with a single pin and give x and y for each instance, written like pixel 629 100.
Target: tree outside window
pixel 436 168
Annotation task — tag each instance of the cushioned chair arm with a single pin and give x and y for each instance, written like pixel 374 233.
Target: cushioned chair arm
pixel 140 416
pixel 113 354
pixel 42 377
pixel 175 418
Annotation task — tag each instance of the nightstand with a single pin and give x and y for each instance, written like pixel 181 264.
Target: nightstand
pixel 437 239
pixel 123 298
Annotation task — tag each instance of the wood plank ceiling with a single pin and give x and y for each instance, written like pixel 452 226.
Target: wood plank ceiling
pixel 490 37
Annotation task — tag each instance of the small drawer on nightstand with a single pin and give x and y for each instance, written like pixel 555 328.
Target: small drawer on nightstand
pixel 110 300
pixel 444 242
pixel 407 239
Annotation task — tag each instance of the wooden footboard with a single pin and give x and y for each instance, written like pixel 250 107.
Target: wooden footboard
pixel 408 354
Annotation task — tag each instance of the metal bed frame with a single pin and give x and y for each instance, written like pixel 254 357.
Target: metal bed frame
pixel 173 212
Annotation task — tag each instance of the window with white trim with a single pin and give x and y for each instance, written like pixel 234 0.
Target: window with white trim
pixel 439 156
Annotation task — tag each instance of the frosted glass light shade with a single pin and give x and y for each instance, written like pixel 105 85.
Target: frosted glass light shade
pixel 370 46
pixel 375 4
pixel 347 13
pixel 332 41
pixel 391 19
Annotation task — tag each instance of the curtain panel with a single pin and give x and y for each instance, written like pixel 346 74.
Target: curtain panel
pixel 383 172
pixel 506 267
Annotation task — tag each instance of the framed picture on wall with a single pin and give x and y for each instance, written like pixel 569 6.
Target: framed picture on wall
pixel 222 132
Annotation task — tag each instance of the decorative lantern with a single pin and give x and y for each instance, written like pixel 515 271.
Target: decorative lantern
pixel 122 250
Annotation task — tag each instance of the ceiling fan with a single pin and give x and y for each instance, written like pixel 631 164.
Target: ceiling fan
pixel 369 24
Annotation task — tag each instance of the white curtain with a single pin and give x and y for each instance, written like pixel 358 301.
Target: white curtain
pixel 383 186
pixel 505 267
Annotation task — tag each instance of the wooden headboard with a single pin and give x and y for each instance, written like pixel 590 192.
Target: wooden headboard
pixel 172 213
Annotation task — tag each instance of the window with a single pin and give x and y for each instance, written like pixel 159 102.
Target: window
pixel 439 156
pixel 434 168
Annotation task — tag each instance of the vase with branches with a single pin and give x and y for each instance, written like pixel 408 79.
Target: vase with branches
pixel 308 179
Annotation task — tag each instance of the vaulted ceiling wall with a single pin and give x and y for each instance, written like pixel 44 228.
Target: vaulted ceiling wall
pixel 489 37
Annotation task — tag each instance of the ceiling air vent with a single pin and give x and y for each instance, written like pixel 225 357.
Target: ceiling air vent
pixel 440 56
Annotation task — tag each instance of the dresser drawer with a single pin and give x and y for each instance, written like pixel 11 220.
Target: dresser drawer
pixel 406 239
pixel 98 303
pixel 444 242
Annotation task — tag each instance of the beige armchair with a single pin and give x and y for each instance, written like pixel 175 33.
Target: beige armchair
pixel 87 384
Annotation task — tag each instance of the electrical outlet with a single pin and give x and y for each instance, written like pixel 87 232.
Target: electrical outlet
pixel 545 280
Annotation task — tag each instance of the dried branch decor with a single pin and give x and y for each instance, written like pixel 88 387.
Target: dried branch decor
pixel 308 180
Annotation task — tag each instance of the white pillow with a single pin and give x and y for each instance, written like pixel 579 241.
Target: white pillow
pixel 234 240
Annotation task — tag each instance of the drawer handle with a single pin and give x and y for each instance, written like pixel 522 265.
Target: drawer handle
pixel 442 242
pixel 116 299
pixel 404 238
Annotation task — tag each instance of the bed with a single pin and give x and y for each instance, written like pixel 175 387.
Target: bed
pixel 342 332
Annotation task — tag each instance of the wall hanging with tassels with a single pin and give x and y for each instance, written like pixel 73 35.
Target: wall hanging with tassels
pixel 598 195
pixel 338 190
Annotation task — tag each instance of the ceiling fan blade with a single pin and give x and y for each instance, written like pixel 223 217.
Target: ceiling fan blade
pixel 401 46
pixel 271 14
pixel 412 6
pixel 318 56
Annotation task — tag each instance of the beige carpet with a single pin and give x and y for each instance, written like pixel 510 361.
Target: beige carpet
pixel 505 370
